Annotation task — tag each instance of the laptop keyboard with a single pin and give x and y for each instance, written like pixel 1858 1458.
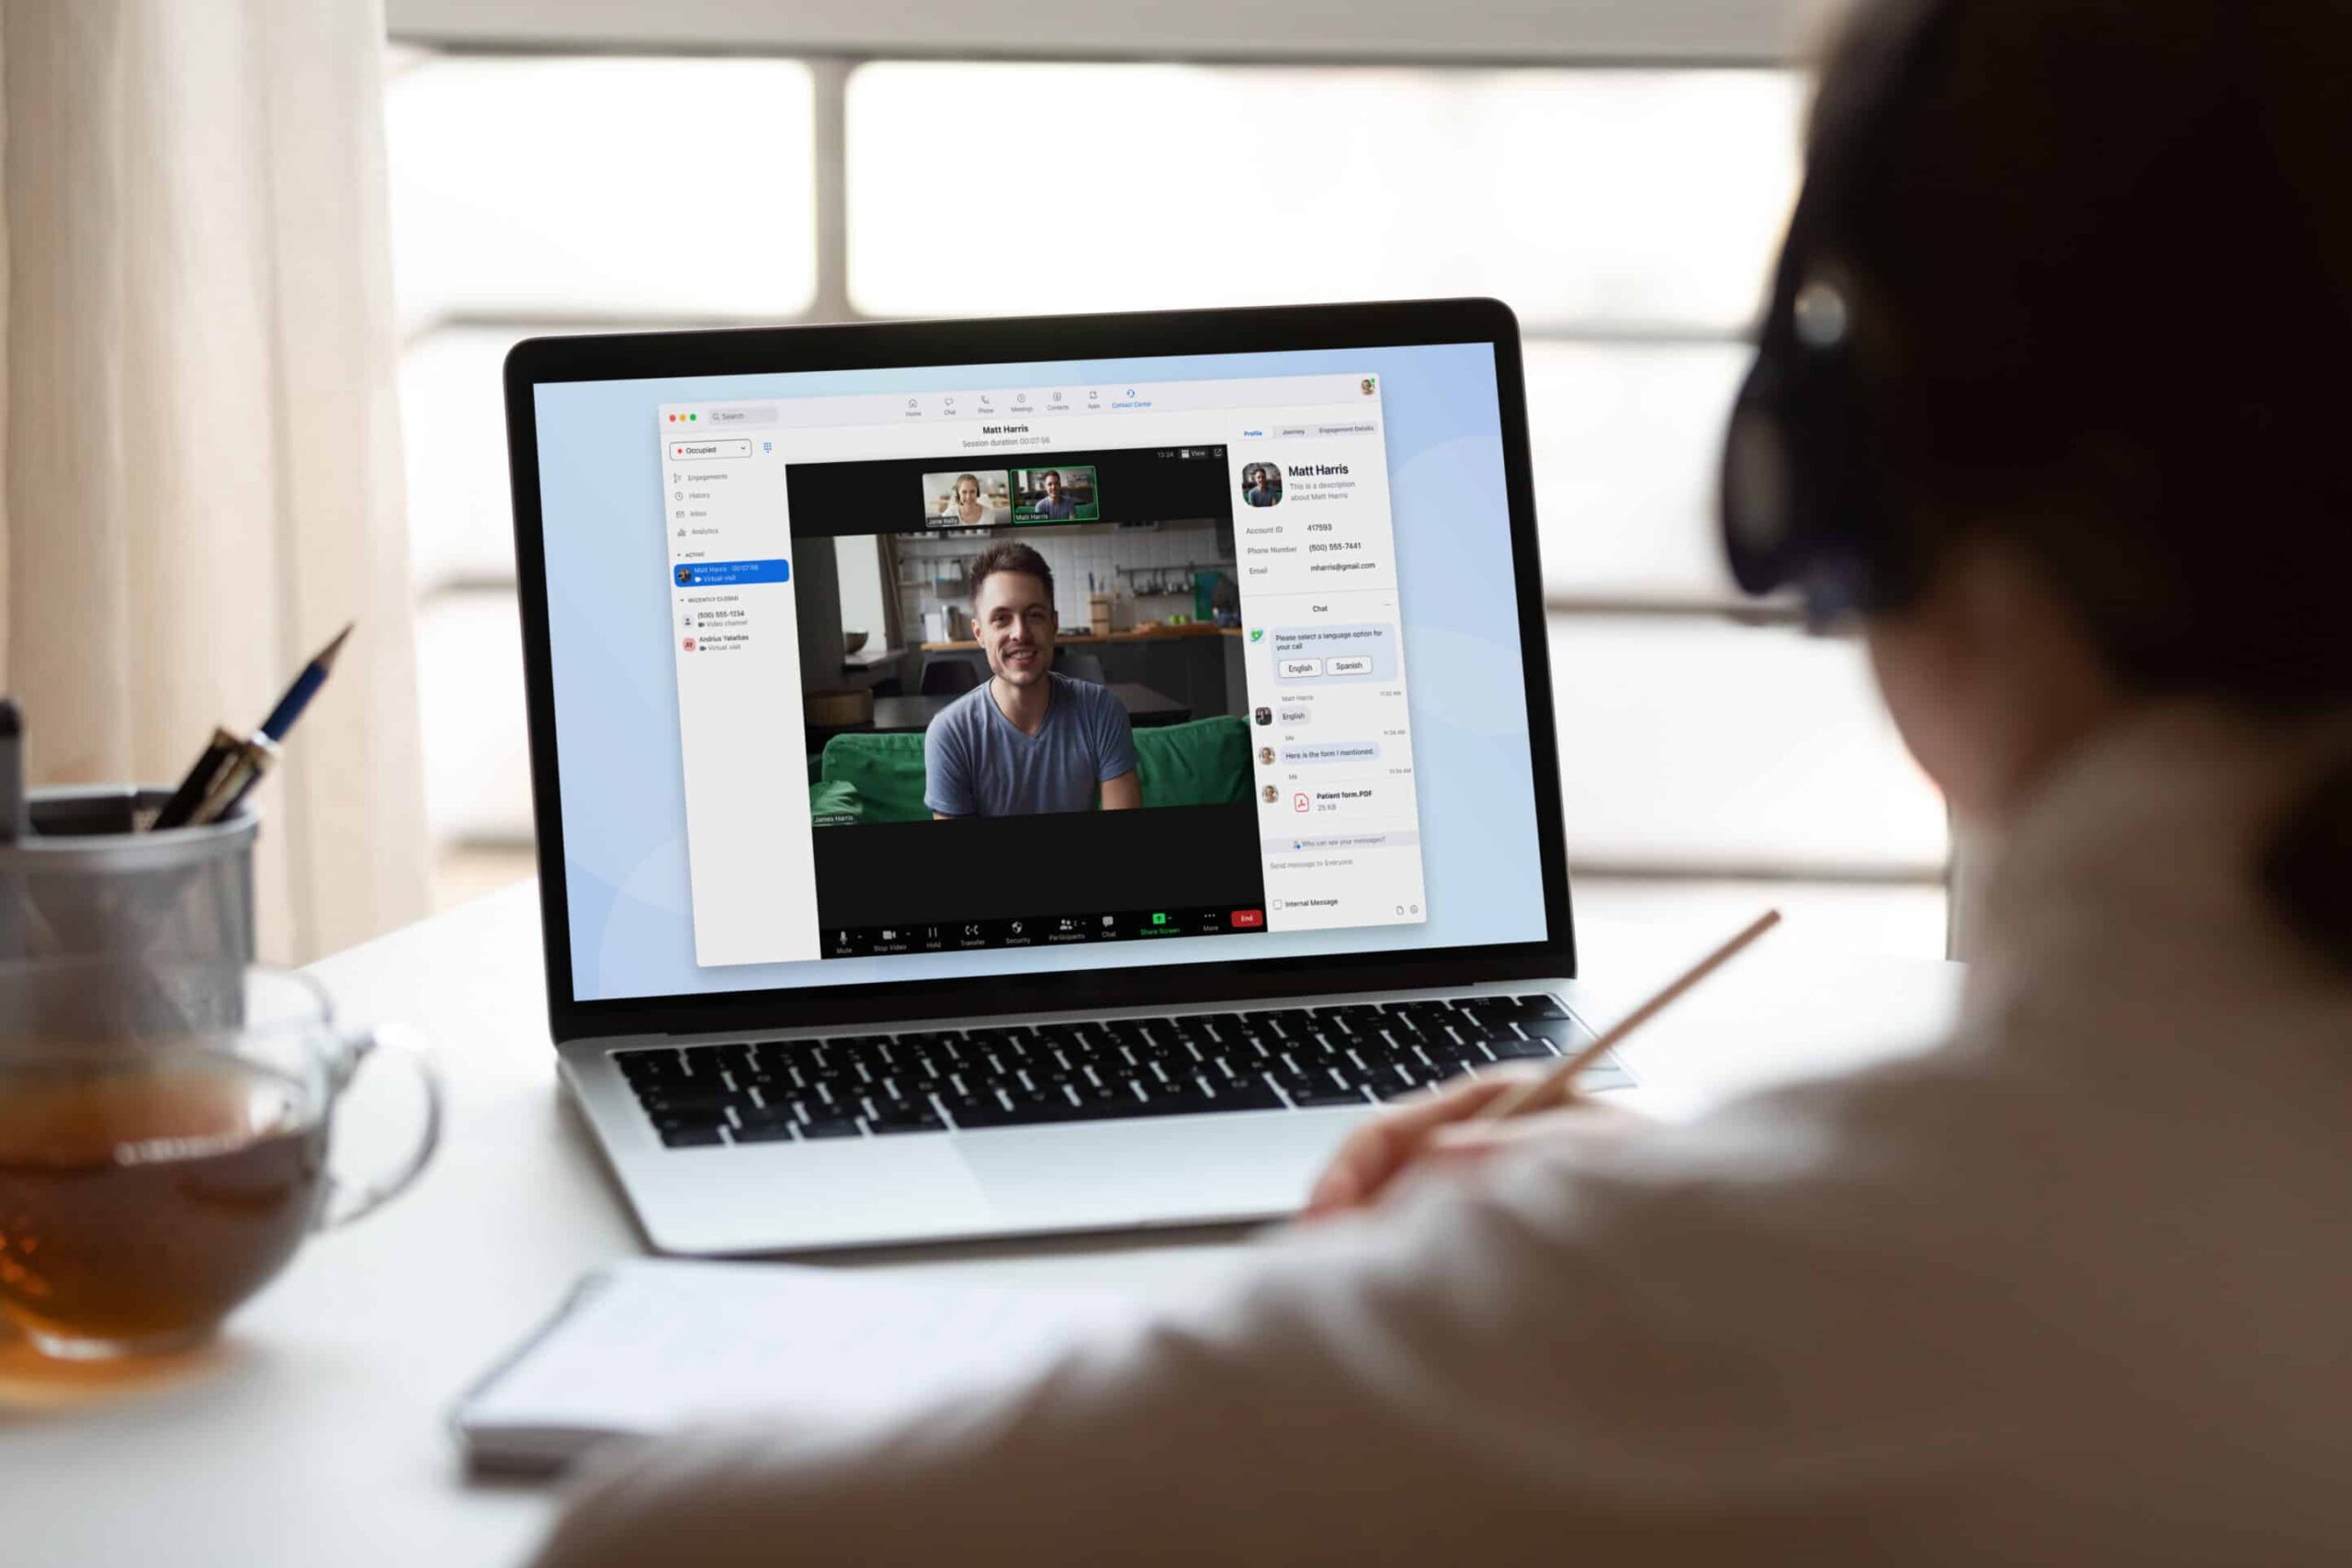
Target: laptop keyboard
pixel 1022 1075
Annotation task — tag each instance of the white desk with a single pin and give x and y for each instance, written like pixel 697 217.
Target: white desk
pixel 312 1434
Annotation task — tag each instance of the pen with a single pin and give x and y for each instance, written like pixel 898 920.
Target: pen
pixel 306 686
pixel 1542 1093
pixel 180 810
pixel 248 761
pixel 201 787
pixel 14 824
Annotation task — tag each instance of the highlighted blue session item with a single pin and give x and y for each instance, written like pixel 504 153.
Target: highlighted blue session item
pixel 730 573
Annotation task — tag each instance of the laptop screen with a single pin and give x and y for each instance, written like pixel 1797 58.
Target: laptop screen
pixel 958 672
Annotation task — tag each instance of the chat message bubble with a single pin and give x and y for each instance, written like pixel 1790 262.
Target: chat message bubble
pixel 1325 654
pixel 1333 751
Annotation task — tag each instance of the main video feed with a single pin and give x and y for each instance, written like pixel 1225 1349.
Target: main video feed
pixel 1041 730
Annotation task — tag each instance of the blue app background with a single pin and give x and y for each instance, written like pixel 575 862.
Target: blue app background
pixel 616 693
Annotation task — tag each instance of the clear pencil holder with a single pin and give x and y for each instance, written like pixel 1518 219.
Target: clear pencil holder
pixel 88 883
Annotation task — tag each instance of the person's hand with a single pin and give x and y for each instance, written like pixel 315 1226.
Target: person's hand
pixel 1441 1131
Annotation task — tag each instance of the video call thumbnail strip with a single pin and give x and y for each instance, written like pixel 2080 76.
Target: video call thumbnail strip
pixel 1130 485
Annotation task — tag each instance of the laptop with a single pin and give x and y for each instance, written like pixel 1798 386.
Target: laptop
pixel 1017 776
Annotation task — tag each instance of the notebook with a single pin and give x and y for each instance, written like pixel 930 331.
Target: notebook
pixel 645 1347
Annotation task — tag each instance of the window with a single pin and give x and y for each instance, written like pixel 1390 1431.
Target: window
pixel 1628 215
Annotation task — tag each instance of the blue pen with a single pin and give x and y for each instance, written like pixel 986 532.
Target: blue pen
pixel 306 686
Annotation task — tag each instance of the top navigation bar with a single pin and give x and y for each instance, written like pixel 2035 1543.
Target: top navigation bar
pixel 1018 403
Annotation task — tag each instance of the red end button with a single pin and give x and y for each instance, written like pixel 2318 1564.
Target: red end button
pixel 1248 919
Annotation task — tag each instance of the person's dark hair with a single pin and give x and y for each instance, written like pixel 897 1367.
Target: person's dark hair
pixel 2104 255
pixel 1014 556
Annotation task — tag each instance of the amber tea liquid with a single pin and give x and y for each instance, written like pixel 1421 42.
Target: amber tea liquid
pixel 139 1205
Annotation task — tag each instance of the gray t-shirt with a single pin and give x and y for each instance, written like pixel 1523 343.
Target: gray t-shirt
pixel 975 764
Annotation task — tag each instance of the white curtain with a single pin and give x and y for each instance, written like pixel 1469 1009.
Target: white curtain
pixel 201 443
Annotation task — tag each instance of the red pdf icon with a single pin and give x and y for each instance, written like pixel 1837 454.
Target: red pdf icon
pixel 1298 802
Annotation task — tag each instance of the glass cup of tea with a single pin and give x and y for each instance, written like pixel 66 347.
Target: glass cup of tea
pixel 163 1143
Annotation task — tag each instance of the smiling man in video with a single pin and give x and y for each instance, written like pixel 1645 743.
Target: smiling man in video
pixel 1053 505
pixel 1028 740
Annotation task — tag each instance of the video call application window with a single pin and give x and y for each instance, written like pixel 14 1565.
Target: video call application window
pixel 1037 667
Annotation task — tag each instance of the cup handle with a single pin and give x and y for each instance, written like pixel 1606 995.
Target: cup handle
pixel 345 1202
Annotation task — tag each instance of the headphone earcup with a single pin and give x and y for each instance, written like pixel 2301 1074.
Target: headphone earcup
pixel 1758 499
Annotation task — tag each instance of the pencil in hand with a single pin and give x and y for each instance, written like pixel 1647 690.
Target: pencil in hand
pixel 1558 1081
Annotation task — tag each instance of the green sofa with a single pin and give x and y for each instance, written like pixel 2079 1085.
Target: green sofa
pixel 878 778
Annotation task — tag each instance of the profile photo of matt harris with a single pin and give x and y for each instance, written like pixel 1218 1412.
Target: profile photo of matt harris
pixel 1262 483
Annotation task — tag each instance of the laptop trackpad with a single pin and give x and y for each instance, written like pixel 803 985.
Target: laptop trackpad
pixel 1149 1170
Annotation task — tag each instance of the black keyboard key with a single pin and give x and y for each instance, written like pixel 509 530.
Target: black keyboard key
pixel 685 1096
pixel 910 1120
pixel 699 1135
pixel 778 1132
pixel 1310 1096
pixel 1189 1100
pixel 680 1122
pixel 1542 1004
pixel 1424 1017
pixel 981 1111
pixel 649 1066
pixel 1562 1034
pixel 1508 1047
pixel 830 1127
pixel 1251 1094
pixel 1449 1061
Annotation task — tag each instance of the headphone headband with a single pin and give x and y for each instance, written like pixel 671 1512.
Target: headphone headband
pixel 1801 493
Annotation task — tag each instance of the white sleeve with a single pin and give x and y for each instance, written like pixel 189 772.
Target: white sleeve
pixel 1642 1349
